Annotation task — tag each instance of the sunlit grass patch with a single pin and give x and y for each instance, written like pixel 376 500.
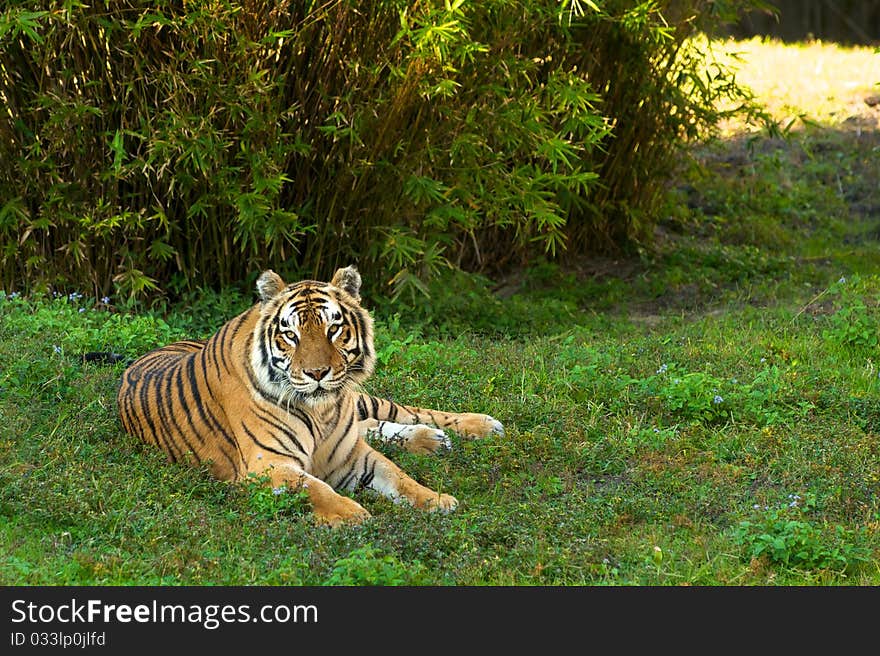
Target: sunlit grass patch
pixel 814 82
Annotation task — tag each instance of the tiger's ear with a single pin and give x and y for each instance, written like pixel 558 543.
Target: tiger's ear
pixel 268 285
pixel 349 280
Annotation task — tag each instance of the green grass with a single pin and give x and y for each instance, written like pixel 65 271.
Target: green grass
pixel 705 414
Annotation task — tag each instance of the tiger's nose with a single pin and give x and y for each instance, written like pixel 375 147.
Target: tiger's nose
pixel 317 374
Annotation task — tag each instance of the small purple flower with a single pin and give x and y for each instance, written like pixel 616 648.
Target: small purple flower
pixel 278 490
pixel 56 348
pixel 105 300
pixel 82 310
pixel 718 399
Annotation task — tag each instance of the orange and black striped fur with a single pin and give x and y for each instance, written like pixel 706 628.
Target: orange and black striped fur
pixel 275 392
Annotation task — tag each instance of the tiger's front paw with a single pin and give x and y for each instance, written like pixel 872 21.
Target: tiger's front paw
pixel 426 439
pixel 477 426
pixel 444 503
pixel 342 511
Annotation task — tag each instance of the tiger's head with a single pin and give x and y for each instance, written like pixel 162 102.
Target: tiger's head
pixel 313 341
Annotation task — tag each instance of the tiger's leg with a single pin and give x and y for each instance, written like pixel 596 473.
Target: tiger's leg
pixel 378 473
pixel 464 424
pixel 328 506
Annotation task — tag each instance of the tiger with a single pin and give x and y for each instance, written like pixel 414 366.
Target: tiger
pixel 277 394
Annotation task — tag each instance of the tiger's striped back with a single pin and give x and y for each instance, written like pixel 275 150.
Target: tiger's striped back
pixel 171 398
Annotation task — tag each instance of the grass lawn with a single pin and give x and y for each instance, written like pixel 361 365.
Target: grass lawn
pixel 705 414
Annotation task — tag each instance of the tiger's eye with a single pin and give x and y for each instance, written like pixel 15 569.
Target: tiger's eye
pixel 290 338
